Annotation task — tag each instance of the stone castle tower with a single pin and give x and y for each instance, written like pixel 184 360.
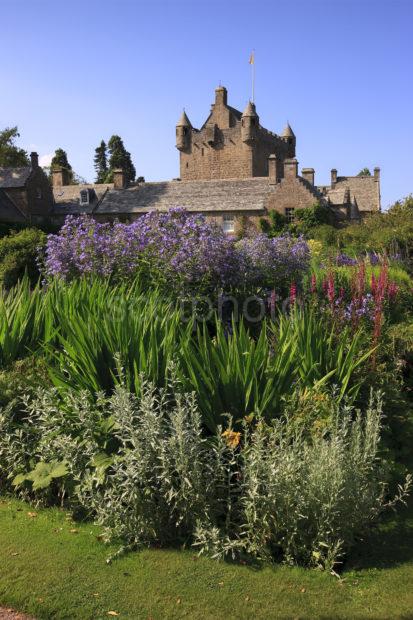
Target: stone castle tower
pixel 230 144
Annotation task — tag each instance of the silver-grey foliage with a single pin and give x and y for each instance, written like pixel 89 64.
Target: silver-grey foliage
pixel 148 473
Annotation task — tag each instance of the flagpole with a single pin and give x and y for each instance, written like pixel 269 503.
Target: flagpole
pixel 253 75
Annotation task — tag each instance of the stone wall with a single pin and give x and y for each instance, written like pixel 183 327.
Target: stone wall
pixel 291 193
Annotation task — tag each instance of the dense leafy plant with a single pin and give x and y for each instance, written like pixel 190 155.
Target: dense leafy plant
pixel 143 468
pixel 21 321
pixel 11 156
pixel 18 255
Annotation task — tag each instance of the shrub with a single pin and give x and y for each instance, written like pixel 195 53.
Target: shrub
pixel 180 252
pixel 18 255
pixel 144 469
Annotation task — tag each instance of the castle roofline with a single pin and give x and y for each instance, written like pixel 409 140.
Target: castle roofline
pixel 250 110
pixel 184 120
pixel 288 132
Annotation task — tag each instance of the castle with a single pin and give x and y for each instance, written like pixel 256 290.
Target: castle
pixel 230 168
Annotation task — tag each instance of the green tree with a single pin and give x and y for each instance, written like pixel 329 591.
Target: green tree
pixel 364 173
pixel 276 224
pixel 101 162
pixel 311 217
pixel 120 158
pixel 11 156
pixel 60 160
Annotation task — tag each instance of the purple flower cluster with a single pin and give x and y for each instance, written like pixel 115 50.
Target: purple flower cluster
pixel 182 250
pixel 268 262
pixel 343 260
pixel 358 308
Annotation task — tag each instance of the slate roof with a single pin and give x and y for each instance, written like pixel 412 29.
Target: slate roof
pixel 8 210
pixel 67 198
pixel 365 191
pixel 14 177
pixel 198 196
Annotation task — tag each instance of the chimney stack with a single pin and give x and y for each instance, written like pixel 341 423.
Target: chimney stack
pixel 333 178
pixel 308 175
pixel 221 96
pixel 377 174
pixel 60 177
pixel 119 179
pixel 290 168
pixel 34 159
pixel 272 169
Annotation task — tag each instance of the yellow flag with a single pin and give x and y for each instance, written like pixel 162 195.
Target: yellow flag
pixel 251 61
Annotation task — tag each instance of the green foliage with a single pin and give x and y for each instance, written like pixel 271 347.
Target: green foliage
pixel 327 234
pixel 276 224
pixel 109 335
pixel 21 321
pixel 365 172
pixel 233 373
pixel 269 492
pixel 388 232
pixel 60 160
pixel 18 255
pixel 120 158
pixel 42 475
pixel 11 156
pixel 100 162
pixel 306 219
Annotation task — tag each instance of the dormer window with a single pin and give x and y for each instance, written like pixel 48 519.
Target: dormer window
pixel 84 197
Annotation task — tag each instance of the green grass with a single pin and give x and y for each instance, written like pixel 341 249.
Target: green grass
pixel 51 571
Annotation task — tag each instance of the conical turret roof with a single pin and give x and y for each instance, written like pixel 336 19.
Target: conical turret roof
pixel 250 110
pixel 184 120
pixel 288 132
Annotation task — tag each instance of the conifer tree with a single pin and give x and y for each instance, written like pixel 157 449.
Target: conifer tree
pixel 120 158
pixel 101 163
pixel 60 160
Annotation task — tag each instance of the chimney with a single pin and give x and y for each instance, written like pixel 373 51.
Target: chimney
pixel 60 177
pixel 221 96
pixel 333 178
pixel 272 169
pixel 34 159
pixel 119 179
pixel 290 168
pixel 377 174
pixel 308 175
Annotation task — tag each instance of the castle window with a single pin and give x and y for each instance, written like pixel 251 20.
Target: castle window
pixel 228 223
pixel 187 165
pixel 185 130
pixel 202 152
pixel 289 214
pixel 39 193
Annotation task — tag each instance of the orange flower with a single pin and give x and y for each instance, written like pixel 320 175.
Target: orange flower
pixel 232 438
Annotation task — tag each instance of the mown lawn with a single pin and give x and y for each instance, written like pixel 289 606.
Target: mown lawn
pixel 54 568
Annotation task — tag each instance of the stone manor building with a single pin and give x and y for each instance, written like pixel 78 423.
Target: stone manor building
pixel 230 168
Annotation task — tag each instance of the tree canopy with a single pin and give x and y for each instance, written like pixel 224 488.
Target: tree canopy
pixel 119 157
pixel 60 160
pixel 364 173
pixel 11 156
pixel 101 162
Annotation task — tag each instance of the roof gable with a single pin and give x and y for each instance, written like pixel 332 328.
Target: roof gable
pixel 14 177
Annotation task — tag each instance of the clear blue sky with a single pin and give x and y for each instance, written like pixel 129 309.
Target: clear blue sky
pixel 75 72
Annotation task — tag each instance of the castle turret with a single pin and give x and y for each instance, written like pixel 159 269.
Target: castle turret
pixel 289 137
pixel 183 133
pixel 249 124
